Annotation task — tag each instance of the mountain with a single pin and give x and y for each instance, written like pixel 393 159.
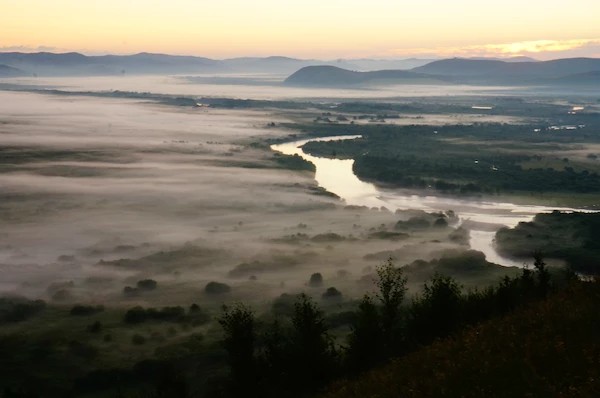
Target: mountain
pixel 275 64
pixel 324 75
pixel 587 79
pixel 366 64
pixel 472 70
pixel 75 64
pixel 520 58
pixel 9 71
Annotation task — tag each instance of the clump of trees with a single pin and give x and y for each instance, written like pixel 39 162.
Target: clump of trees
pixel 85 310
pixel 296 355
pixel 216 288
pixel 19 309
pixel 316 280
pixel 140 314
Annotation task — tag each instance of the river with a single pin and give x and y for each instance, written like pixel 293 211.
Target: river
pixel 484 218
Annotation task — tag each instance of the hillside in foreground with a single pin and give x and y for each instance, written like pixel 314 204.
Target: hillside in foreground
pixel 547 349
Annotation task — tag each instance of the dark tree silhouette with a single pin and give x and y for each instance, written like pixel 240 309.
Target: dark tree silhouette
pixel 365 344
pixel 542 274
pixel 392 289
pixel 239 339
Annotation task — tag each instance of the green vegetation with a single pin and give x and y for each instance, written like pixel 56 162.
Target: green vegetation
pixel 216 288
pixel 293 350
pixel 19 309
pixel 572 237
pixel 548 348
pixel 294 162
pixel 465 159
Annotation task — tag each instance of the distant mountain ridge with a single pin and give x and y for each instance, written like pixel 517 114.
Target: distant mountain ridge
pixel 463 71
pixel 324 75
pixel 76 64
pixel 9 71
pixel 510 71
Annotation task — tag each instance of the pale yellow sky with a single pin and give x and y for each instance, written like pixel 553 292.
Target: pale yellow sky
pixel 307 28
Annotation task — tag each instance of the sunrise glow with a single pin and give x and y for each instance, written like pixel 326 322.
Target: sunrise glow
pixel 308 28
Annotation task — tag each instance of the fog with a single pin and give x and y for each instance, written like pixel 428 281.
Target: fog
pixel 97 193
pixel 86 182
pixel 255 86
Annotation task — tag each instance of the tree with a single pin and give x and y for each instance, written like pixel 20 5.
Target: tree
pixel 542 274
pixel 239 339
pixel 365 344
pixel 437 312
pixel 392 289
pixel 311 350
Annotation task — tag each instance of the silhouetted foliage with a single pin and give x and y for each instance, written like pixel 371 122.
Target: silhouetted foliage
pixel 437 311
pixel 239 340
pixel 331 294
pixel 18 309
pixel 216 288
pixel 392 288
pixel 316 280
pixel 147 284
pixel 365 342
pixel 311 351
pixel 83 310
pixel 171 314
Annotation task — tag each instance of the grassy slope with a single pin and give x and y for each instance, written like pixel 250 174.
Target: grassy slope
pixel 550 348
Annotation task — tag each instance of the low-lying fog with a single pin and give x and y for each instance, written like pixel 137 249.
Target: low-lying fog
pixel 99 193
pixel 246 86
pixel 86 181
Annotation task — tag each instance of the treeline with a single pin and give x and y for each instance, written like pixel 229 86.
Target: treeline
pixel 297 356
pixel 457 161
pixel 572 237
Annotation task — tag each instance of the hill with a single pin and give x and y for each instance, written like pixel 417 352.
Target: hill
pixel 549 348
pixel 508 72
pixel 331 76
pixel 76 64
pixel 9 71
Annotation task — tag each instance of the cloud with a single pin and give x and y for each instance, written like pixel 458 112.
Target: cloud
pixel 535 48
pixel 28 49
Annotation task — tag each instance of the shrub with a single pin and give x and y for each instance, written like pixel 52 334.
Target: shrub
pixel 136 315
pixel 130 291
pixel 147 284
pixel 215 288
pixel 16 310
pixel 332 293
pixel 316 280
pixel 84 310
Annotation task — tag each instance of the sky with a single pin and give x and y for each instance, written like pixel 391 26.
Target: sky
pixel 325 29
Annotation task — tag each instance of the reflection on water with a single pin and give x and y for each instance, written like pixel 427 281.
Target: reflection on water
pixel 336 175
pixel 482 217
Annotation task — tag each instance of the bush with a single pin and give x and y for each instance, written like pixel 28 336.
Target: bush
pixel 84 310
pixel 332 293
pixel 216 288
pixel 129 291
pixel 17 309
pixel 139 314
pixel 147 284
pixel 316 280
pixel 136 315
